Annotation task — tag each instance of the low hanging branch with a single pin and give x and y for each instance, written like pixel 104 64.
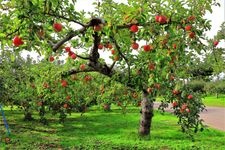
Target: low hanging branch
pixel 75 71
pixel 85 58
pixel 113 64
pixel 92 23
pixel 67 38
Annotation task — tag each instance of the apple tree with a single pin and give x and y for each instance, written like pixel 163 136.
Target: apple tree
pixel 151 45
pixel 17 87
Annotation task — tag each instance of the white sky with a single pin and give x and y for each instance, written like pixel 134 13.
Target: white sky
pixel 217 17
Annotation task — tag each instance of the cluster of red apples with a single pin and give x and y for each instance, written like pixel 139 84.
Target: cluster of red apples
pixel 183 107
pixel 161 19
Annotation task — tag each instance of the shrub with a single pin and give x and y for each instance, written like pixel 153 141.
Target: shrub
pixel 197 86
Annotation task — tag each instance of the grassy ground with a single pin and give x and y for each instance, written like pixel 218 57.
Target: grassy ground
pixel 99 130
pixel 210 100
pixel 213 101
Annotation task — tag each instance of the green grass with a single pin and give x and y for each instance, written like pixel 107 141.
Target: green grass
pixel 213 101
pixel 99 130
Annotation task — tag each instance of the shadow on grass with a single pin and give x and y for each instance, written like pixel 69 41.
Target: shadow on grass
pixel 102 128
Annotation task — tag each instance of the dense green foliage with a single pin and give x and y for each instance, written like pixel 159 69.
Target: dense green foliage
pixel 197 85
pixel 211 87
pixel 217 87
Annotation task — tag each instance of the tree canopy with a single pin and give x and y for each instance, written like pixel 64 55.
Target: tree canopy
pixel 169 33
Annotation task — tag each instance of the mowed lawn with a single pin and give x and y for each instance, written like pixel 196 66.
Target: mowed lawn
pixel 97 129
pixel 210 100
pixel 214 101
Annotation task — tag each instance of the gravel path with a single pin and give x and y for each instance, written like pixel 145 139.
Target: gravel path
pixel 213 116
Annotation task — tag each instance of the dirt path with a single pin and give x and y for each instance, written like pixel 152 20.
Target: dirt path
pixel 213 116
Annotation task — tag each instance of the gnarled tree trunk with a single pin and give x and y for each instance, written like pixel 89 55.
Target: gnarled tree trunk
pixel 146 115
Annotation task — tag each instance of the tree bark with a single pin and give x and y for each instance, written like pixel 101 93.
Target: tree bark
pixel 146 115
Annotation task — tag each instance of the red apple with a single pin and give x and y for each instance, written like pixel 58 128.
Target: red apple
pixel 109 46
pixel 100 46
pixel 188 110
pixel 149 90
pixel 175 92
pixel 174 46
pixel 68 49
pixel 64 83
pixel 73 56
pixel 192 35
pixel 215 43
pixel 162 19
pixel 57 27
pixel 189 96
pixel 191 18
pixel 87 78
pixel 82 67
pixel 184 106
pixel 157 86
pixel 51 58
pixel 68 97
pixel 134 28
pixel 151 66
pixel 188 28
pixel 175 104
pixel 113 52
pixel 147 48
pixel 135 45
pixel 157 18
pixel 17 41
pixel 65 106
pixel 70 53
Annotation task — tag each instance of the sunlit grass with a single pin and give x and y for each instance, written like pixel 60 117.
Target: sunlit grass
pixel 214 101
pixel 105 130
pixel 210 100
